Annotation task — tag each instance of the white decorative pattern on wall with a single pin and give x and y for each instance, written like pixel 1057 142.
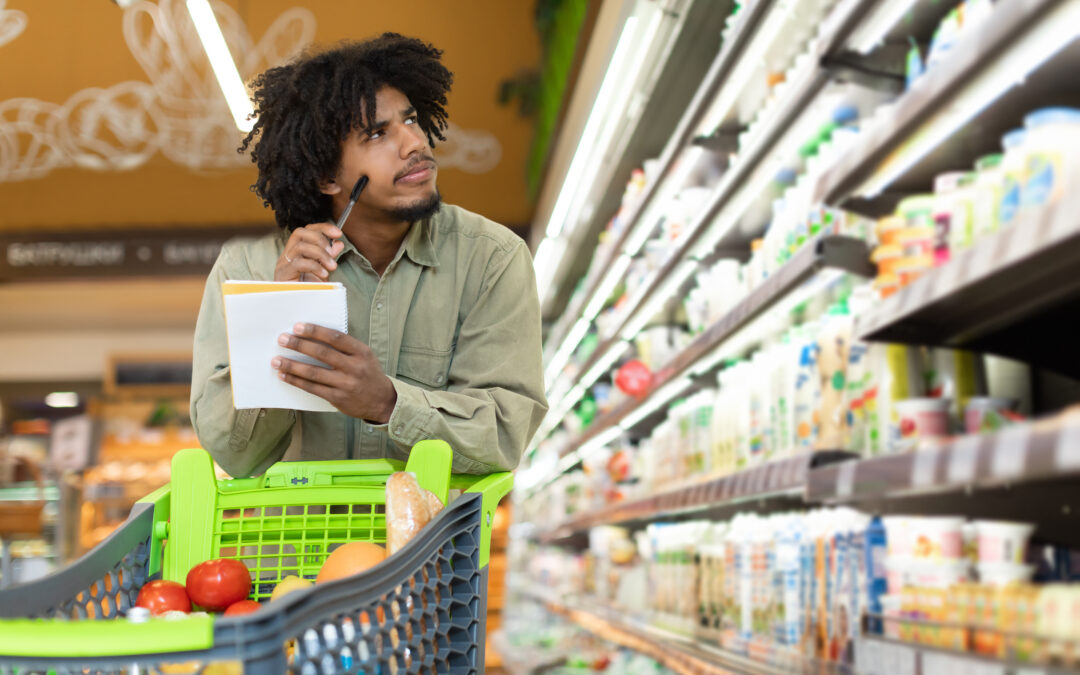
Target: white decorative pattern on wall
pixel 180 112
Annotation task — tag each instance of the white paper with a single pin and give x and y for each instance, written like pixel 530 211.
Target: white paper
pixel 254 321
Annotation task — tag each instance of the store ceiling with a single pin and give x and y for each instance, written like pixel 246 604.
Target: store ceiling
pixel 111 117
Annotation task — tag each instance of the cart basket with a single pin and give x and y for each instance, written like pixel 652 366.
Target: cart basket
pixel 423 610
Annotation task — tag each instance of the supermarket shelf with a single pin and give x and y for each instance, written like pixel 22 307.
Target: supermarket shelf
pixel 749 21
pixel 1010 294
pixel 683 654
pixel 519 660
pixel 832 252
pixel 879 656
pixel 1022 58
pixel 781 483
pixel 839 27
pixel 1043 450
pixel 29 492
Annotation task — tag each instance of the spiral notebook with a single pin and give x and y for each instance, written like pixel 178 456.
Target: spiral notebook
pixel 256 313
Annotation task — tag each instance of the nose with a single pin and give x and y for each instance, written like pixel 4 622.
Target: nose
pixel 413 141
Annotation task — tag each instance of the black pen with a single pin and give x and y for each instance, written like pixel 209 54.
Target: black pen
pixel 353 196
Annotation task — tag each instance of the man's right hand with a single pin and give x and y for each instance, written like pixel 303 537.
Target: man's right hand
pixel 311 250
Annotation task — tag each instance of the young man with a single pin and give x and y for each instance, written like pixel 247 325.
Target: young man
pixel 444 321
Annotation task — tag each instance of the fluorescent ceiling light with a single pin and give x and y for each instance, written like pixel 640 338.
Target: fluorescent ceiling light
pixel 1054 32
pixel 604 438
pixel 546 262
pixel 62 399
pixel 872 31
pixel 221 61
pixel 662 295
pixel 611 279
pixel 601 108
pixel 658 398
pixel 566 350
pixel 736 82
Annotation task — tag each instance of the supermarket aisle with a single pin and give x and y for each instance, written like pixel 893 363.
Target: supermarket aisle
pixel 812 394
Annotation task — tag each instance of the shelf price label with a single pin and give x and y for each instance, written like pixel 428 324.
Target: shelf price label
pixel 924 467
pixel 845 479
pixel 1010 451
pixel 1067 452
pixel 963 459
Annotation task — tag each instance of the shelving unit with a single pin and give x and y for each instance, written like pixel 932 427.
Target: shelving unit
pixel 1013 293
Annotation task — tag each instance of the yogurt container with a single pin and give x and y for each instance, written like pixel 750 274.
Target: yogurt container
pixel 1004 573
pixel 952 214
pixel 986 413
pixel 938 539
pixel 1051 160
pixel 1002 541
pixel 922 419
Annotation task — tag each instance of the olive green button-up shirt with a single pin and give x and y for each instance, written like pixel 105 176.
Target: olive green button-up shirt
pixel 455 323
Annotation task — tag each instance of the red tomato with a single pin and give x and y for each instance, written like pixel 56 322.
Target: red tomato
pixel 163 596
pixel 242 607
pixel 216 584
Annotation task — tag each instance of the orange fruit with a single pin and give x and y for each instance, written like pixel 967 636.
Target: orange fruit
pixel 349 559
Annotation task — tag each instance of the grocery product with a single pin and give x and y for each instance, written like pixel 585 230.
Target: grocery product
pixel 407 510
pixel 1051 162
pixel 350 558
pixel 1014 175
pixel 922 419
pixel 986 193
pixel 289 584
pixel 242 607
pixel 217 584
pixel 987 413
pixel 161 596
pixel 1002 541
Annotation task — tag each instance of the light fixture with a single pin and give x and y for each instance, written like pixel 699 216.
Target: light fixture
pixel 611 279
pixel 546 263
pixel 872 31
pixel 1054 32
pixel 683 271
pixel 736 82
pixel 566 350
pixel 586 145
pixel 654 401
pixel 62 399
pixel 222 63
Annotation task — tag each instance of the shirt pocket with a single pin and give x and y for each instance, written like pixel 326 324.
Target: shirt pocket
pixel 424 367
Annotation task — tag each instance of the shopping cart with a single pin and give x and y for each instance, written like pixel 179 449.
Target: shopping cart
pixel 421 611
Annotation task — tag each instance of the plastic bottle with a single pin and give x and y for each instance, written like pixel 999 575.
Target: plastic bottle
pixel 1053 134
pixel 1014 175
pixel 986 195
pixel 876 550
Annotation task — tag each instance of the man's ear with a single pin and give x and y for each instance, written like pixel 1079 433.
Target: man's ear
pixel 328 186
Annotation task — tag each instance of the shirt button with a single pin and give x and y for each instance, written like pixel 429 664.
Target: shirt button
pixel 438 379
pixel 370 428
pixel 398 430
pixel 262 413
pixel 378 305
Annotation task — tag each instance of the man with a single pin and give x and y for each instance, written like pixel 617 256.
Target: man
pixel 444 320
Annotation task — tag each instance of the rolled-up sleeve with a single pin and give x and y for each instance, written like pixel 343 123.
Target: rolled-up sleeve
pixel 242 442
pixel 494 400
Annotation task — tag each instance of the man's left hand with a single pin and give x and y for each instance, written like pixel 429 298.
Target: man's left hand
pixel 354 383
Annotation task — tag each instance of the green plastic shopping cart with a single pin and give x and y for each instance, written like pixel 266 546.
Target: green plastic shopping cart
pixel 421 611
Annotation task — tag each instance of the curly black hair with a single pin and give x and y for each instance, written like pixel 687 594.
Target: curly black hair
pixel 306 108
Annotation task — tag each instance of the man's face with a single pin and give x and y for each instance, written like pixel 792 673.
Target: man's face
pixel 395 156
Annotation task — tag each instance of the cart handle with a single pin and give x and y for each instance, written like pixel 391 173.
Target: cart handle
pixel 89 639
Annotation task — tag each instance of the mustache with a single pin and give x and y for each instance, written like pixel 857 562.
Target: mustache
pixel 413 164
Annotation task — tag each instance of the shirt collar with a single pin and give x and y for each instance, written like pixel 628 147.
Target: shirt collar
pixel 418 244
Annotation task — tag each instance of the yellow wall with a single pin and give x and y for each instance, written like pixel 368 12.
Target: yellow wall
pixel 70 45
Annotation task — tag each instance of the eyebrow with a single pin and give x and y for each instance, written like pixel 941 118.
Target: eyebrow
pixel 380 125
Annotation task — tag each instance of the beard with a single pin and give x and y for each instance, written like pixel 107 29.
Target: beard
pixel 419 210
